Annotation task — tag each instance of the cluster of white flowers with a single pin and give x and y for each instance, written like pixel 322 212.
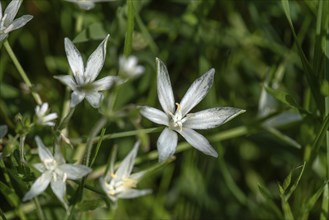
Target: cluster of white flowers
pixel 176 117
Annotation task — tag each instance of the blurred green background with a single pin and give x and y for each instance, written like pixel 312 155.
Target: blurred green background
pixel 251 46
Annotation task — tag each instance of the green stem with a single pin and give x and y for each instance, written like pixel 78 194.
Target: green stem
pixel 99 125
pixel 39 209
pixel 79 22
pixel 130 28
pixel 21 147
pixel 21 71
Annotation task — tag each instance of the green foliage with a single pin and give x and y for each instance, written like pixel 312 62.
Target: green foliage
pixel 271 59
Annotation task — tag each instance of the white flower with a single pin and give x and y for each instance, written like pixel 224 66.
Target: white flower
pixel 54 171
pixel 180 120
pixel 87 4
pixel 42 117
pixel 121 184
pixel 7 22
pixel 129 67
pixel 83 81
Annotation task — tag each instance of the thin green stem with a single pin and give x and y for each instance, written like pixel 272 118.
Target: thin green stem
pixel 39 209
pixel 21 147
pixel 130 28
pixel 22 72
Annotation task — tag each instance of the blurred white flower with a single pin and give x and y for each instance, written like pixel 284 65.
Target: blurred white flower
pixel 7 22
pixel 121 184
pixel 54 171
pixel 42 116
pixel 180 120
pixel 129 67
pixel 87 4
pixel 83 81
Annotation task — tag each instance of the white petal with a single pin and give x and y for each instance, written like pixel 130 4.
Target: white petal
pixel 44 152
pixel 166 144
pixel 75 60
pixel 127 164
pixel 67 80
pixel 18 23
pixel 133 193
pixel 59 188
pixel 40 167
pixel 0 11
pixel 197 91
pixel 74 171
pixel 198 141
pixel 104 83
pixel 50 117
pixel 96 61
pixel 76 98
pixel 211 118
pixel 137 176
pixel 58 155
pixel 3 36
pixel 154 115
pixel 165 93
pixel 38 186
pixel 44 108
pixel 11 11
pixel 94 98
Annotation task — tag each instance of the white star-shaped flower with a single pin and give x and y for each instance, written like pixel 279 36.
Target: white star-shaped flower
pixel 83 81
pixel 42 116
pixel 7 22
pixel 87 4
pixel 129 67
pixel 178 119
pixel 121 184
pixel 54 171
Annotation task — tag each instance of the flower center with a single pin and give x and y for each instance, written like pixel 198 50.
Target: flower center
pixel 116 186
pixel 176 121
pixel 50 164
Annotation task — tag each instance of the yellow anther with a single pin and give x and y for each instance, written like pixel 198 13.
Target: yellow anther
pixel 113 175
pixel 178 106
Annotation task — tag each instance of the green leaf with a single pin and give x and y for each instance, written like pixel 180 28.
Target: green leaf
pixel 294 186
pixel 9 194
pixel 8 91
pixel 88 205
pixel 287 181
pixel 95 151
pixel 130 28
pixel 285 98
pixel 311 201
pixel 95 31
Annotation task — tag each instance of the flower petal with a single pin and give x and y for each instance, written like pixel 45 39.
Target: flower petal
pixel 44 152
pixel 59 188
pixel 74 171
pixel 67 80
pixel 18 23
pixel 198 141
pixel 127 164
pixel 96 61
pixel 40 167
pixel 104 83
pixel 211 118
pixel 166 144
pixel 0 11
pixel 11 11
pixel 197 91
pixel 165 93
pixel 154 115
pixel 38 186
pixel 75 60
pixel 50 117
pixel 94 98
pixel 133 193
pixel 76 98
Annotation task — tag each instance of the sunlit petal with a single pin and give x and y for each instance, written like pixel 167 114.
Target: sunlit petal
pixel 75 60
pixel 38 186
pixel 44 152
pixel 74 171
pixel 133 193
pixel 166 144
pixel 76 98
pixel 198 141
pixel 59 188
pixel 165 93
pixel 197 91
pixel 211 118
pixel 94 98
pixel 154 115
pixel 127 164
pixel 96 61
pixel 67 80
